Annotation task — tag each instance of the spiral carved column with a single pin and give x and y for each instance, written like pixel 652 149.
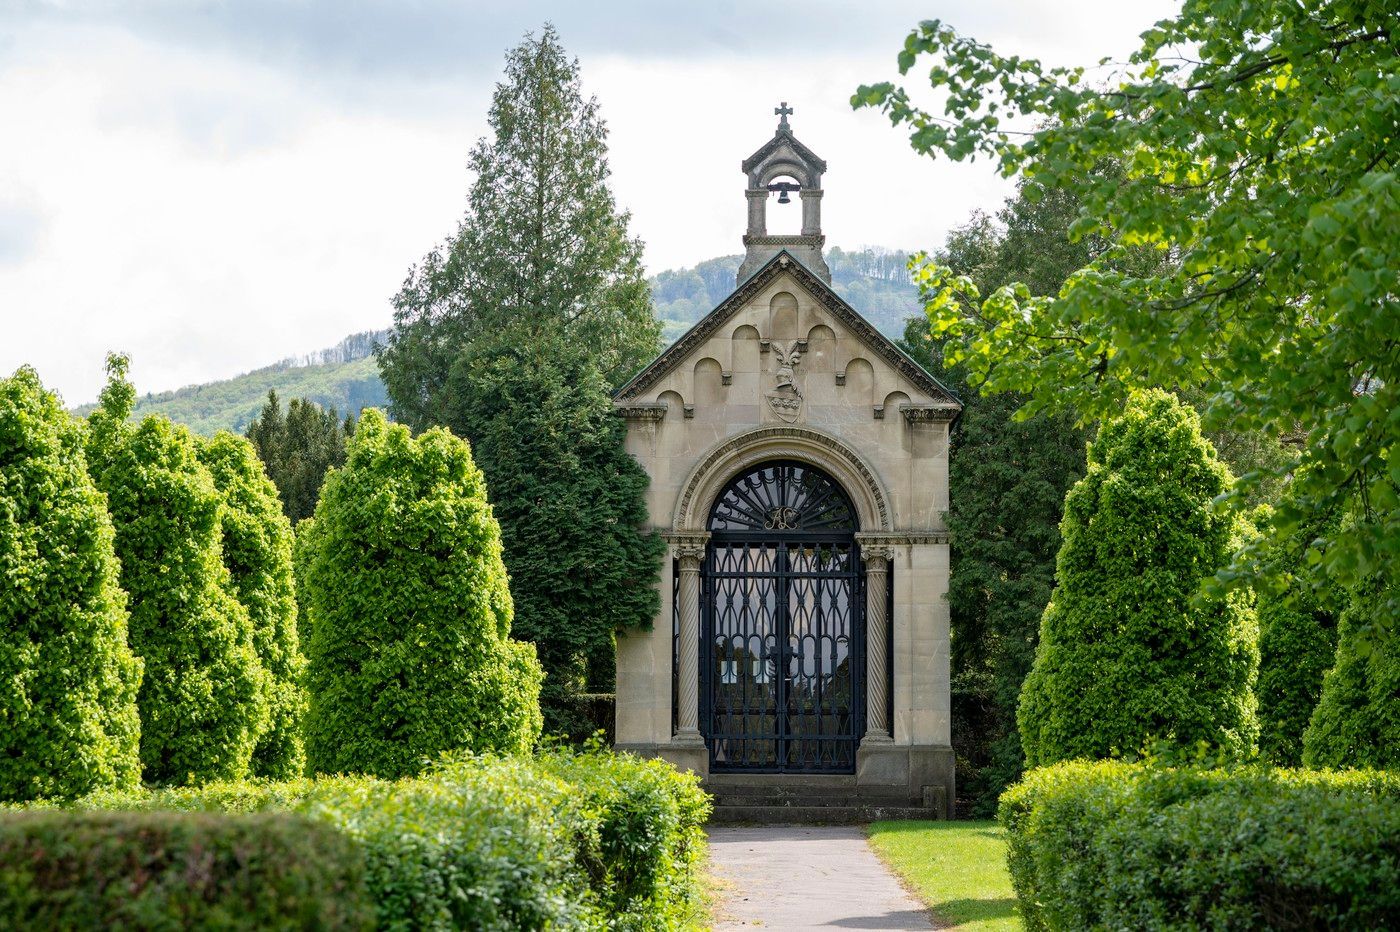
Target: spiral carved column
pixel 877 682
pixel 690 553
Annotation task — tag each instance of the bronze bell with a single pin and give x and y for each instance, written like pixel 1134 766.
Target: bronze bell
pixel 783 197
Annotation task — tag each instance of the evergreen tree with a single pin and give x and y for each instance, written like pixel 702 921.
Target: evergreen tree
pixel 542 250
pixel 1297 645
pixel 1125 655
pixel 68 680
pixel 511 335
pixel 1357 719
pixel 570 500
pixel 203 697
pixel 297 448
pixel 1007 482
pixel 257 550
pixel 1007 485
pixel 410 651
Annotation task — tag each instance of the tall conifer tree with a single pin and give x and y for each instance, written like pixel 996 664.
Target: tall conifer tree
pixel 512 334
pixel 297 447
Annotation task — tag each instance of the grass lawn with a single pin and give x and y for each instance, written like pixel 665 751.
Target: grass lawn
pixel 957 868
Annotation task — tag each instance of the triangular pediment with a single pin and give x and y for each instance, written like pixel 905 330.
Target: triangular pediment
pixel 784 139
pixel 848 328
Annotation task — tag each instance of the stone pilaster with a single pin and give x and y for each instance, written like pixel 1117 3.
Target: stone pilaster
pixel 758 211
pixel 811 211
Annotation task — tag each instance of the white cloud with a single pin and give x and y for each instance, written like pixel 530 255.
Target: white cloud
pixel 211 194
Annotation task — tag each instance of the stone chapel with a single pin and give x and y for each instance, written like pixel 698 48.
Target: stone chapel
pixel 799 471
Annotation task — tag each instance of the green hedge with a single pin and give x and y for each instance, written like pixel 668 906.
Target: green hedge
pixel 1130 846
pixel 564 841
pixel 166 870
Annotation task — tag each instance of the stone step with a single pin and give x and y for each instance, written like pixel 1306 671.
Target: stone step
pixel 819 815
pixel 736 798
pixel 780 781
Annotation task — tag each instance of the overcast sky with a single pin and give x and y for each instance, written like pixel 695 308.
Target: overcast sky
pixel 211 186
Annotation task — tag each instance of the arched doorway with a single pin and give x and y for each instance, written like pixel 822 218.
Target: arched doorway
pixel 782 624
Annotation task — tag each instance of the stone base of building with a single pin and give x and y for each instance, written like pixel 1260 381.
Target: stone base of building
pixel 925 773
pixel 892 781
pixel 695 758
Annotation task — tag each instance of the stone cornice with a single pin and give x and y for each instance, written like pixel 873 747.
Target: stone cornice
pixel 885 539
pixel 784 262
pixel 642 411
pixel 920 414
pixel 800 239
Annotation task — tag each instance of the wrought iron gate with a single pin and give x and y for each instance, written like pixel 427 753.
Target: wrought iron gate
pixel 782 618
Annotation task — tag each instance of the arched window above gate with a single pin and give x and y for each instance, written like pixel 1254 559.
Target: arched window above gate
pixel 783 496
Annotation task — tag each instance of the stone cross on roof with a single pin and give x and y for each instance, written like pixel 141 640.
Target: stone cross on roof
pixel 782 111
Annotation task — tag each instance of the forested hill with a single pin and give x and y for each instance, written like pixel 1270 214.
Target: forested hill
pixel 346 376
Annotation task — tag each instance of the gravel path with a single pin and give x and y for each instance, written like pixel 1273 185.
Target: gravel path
pixel 806 877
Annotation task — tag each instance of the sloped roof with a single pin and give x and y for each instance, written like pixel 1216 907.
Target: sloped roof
pixel 785 262
pixel 780 137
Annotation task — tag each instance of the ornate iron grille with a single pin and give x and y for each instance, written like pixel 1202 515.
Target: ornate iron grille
pixel 782 615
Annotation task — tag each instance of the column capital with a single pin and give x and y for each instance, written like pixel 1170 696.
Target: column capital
pixel 689 546
pixel 877 556
pixel 877 549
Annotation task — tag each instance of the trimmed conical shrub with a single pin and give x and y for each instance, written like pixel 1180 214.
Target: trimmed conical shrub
pixel 1357 720
pixel 409 611
pixel 1125 657
pixel 203 699
pixel 257 551
pixel 68 680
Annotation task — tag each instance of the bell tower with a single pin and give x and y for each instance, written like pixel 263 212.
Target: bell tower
pixel 783 166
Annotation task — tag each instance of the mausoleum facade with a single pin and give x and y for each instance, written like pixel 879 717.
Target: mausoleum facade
pixel 799 471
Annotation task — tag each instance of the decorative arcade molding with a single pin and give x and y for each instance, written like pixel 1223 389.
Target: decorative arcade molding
pixel 803 444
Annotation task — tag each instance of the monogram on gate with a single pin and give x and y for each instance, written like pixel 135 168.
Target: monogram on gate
pixel 781 518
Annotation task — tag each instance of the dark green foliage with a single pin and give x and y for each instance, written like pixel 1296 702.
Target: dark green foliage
pixel 572 510
pixel 257 550
pixel 203 697
pixel 594 840
pixel 1007 484
pixel 1297 645
pixel 68 680
pixel 1125 655
pixel 1357 720
pixel 410 615
pixel 167 870
pixel 297 448
pixel 511 335
pixel 542 249
pixel 1118 846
